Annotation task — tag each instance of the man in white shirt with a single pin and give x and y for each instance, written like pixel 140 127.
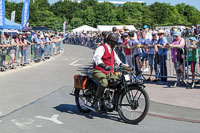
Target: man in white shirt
pixel 104 60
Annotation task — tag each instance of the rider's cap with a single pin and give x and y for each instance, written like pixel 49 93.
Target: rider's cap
pixel 113 37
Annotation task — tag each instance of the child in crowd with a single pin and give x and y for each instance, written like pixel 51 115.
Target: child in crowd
pixel 192 57
pixel 127 51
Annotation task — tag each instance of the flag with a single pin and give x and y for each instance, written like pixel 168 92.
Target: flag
pixel 64 27
pixel 2 13
pixel 27 24
pixel 13 16
pixel 25 13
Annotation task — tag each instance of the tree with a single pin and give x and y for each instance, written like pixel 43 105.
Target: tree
pixel 93 13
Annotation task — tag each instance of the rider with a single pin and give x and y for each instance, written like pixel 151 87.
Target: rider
pixel 105 58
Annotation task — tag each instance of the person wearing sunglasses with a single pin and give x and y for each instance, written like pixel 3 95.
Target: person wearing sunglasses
pixel 177 52
pixel 104 60
pixel 162 52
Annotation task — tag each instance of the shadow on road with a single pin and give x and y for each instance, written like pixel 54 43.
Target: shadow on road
pixel 71 109
pixel 87 69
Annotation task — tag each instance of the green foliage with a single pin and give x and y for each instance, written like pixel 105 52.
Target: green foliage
pixel 92 13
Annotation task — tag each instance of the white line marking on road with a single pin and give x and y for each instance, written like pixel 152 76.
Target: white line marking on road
pixel 66 59
pixel 1 113
pixel 74 63
pixel 0 120
pixel 22 125
pixel 54 119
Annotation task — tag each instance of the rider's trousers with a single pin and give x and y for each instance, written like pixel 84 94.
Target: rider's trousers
pixel 102 80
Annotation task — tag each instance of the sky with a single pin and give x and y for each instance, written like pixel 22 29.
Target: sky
pixel 195 3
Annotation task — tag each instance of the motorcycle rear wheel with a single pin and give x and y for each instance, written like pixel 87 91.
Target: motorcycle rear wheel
pixel 133 100
pixel 78 99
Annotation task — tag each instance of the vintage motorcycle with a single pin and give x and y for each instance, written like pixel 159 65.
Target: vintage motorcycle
pixel 126 95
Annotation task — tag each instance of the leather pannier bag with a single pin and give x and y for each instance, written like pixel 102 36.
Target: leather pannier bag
pixel 80 82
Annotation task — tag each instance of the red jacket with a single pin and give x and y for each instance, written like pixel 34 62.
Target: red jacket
pixel 126 50
pixel 108 60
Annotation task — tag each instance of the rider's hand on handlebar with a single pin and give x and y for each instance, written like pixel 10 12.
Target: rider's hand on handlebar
pixel 107 68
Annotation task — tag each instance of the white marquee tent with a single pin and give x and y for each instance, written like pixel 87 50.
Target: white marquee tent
pixel 109 27
pixel 84 28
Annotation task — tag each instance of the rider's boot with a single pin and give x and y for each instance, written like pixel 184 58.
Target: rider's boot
pixel 99 95
pixel 97 105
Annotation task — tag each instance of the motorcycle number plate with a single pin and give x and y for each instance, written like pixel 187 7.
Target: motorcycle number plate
pixel 127 77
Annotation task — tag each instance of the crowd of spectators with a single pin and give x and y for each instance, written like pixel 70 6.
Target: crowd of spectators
pixel 147 50
pixel 21 49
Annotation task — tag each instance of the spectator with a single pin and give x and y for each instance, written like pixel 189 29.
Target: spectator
pixel 29 47
pixel 114 30
pixel 148 35
pixel 127 51
pixel 135 53
pixel 177 54
pixel 5 42
pixel 22 48
pixel 162 51
pixel 151 56
pixel 119 50
pixel 192 57
pixel 144 41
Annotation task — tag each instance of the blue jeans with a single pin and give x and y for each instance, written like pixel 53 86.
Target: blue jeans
pixel 36 51
pixel 163 67
pixel 3 58
pixel 41 52
pixel 156 66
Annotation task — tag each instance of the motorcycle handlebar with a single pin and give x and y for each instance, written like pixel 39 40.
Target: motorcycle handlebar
pixel 128 69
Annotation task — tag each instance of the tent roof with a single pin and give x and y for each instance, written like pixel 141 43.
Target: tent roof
pixel 84 28
pixel 109 27
pixel 11 25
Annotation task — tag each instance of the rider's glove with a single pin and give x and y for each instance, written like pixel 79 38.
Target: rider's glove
pixel 107 68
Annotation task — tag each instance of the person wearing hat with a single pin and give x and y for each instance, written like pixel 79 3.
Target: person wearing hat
pixel 162 52
pixel 126 29
pixel 42 45
pixel 47 45
pixel 177 52
pixel 104 59
pixel 192 57
pixel 148 34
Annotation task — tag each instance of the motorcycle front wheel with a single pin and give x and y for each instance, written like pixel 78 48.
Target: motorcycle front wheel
pixel 133 105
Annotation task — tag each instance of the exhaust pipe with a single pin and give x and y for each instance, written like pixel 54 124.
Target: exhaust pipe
pixel 86 106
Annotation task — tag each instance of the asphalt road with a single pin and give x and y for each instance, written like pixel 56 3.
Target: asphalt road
pixel 37 100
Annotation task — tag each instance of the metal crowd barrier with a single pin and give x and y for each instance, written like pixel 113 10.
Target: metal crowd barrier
pixel 171 71
pixel 173 68
pixel 18 55
pixel 83 41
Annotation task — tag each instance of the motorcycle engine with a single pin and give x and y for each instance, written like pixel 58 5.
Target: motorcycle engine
pixel 107 102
